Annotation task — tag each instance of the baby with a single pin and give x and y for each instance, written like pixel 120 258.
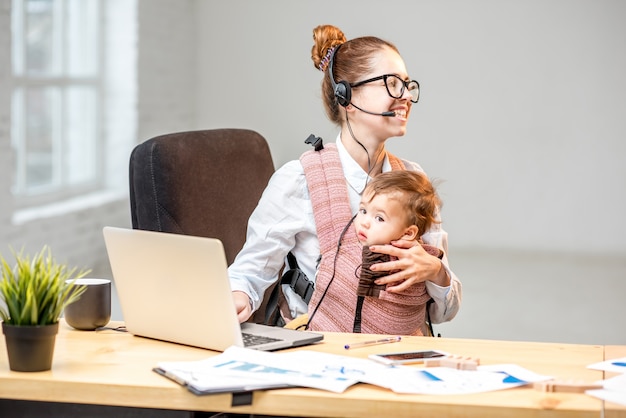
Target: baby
pixel 396 205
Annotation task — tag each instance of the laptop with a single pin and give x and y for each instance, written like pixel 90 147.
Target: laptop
pixel 175 288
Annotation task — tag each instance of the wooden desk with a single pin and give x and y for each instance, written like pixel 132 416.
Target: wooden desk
pixel 113 368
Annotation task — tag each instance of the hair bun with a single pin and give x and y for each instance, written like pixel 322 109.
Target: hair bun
pixel 325 38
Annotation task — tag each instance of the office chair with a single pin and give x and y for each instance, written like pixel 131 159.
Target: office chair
pixel 204 183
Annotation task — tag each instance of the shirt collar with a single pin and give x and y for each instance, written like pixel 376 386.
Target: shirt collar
pixel 356 177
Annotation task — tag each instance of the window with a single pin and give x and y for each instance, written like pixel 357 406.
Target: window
pixel 57 97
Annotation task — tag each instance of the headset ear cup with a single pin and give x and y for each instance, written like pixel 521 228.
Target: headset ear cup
pixel 343 93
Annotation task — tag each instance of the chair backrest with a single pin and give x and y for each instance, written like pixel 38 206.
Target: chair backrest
pixel 204 183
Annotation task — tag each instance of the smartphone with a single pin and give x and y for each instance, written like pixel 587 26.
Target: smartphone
pixel 409 357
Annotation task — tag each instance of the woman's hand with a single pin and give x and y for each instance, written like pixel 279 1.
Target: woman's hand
pixel 242 305
pixel 413 265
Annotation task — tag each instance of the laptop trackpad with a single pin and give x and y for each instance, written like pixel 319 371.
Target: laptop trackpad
pixel 278 338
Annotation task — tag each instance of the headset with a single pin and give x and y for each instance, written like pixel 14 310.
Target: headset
pixel 343 91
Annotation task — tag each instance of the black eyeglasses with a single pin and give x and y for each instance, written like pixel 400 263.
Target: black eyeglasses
pixel 395 86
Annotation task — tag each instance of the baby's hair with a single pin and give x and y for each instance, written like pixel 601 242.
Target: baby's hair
pixel 414 191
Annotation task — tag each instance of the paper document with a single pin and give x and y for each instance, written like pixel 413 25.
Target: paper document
pixel 244 369
pixel 241 369
pixel 617 365
pixel 614 389
pixel 449 381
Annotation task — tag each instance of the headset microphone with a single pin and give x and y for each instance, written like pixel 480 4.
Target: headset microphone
pixel 372 113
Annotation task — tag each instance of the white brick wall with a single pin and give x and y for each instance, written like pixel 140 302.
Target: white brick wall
pixel 74 237
pixel 165 104
pixel 6 159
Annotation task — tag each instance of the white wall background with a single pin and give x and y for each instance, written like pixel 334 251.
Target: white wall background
pixel 522 113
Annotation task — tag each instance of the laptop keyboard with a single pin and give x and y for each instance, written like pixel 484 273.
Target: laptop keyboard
pixel 250 340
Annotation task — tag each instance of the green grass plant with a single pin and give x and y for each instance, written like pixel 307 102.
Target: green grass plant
pixel 36 289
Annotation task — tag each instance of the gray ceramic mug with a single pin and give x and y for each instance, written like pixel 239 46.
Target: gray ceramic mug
pixel 93 309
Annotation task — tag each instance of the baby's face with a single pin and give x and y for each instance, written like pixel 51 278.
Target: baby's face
pixel 380 220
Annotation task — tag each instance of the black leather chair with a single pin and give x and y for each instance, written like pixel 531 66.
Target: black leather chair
pixel 203 183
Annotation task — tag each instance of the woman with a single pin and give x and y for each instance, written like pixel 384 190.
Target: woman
pixel 367 92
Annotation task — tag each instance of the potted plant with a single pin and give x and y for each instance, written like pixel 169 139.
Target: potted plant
pixel 35 291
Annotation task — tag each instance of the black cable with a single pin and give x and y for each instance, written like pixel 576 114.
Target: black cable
pixel 369 161
pixel 121 328
pixel 332 277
